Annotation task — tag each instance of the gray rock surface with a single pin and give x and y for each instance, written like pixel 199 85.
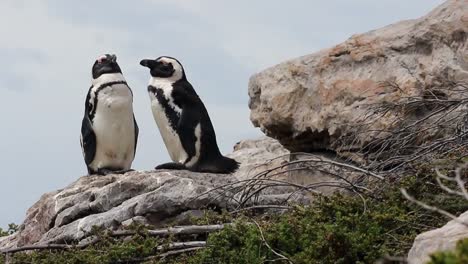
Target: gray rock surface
pixel 444 238
pixel 257 155
pixel 148 197
pixel 163 197
pixel 309 102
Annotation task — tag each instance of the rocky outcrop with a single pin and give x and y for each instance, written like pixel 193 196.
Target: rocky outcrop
pixel 160 197
pixel 441 239
pixel 257 155
pixel 308 103
pixel 149 197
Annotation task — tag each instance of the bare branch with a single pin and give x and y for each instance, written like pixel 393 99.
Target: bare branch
pixel 431 208
pixel 161 256
pixel 460 182
pixel 182 245
pixel 282 257
pixel 177 230
pixel 178 252
pixel 280 207
pixel 180 230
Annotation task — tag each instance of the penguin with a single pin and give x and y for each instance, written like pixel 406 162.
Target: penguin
pixel 183 120
pixel 109 131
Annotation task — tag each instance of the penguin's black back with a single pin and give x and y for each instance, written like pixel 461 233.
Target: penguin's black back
pixel 211 159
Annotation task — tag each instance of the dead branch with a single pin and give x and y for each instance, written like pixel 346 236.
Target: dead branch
pixel 420 127
pixel 177 230
pixel 37 247
pixel 280 207
pixel 440 176
pixel 181 245
pixel 431 208
pixel 180 230
pixel 460 182
pixel 161 256
pixel 281 257
pixel 178 252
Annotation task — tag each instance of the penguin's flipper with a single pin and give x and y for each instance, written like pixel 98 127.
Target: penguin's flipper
pixel 137 131
pixel 171 166
pixel 186 131
pixel 88 141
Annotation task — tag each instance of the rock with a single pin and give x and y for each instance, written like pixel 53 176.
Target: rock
pixel 258 156
pixel 255 156
pixel 139 220
pixel 308 103
pixel 163 197
pixel 148 197
pixel 441 239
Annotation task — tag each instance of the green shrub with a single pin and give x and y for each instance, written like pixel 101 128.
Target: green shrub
pixel 335 229
pixel 458 256
pixel 12 228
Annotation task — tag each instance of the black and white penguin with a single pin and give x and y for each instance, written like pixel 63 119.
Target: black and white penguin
pixel 109 131
pixel 183 120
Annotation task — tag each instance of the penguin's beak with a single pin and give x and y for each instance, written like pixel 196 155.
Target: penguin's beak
pixel 147 63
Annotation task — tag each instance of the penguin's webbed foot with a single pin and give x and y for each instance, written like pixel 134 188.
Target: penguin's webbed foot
pixel 171 166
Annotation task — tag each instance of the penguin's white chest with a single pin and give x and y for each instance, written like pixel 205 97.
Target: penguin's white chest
pixel 168 133
pixel 114 128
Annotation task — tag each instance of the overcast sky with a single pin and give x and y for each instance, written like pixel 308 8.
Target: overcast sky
pixel 47 49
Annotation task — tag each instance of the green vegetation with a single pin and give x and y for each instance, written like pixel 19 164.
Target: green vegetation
pixel 459 255
pixel 12 228
pixel 336 229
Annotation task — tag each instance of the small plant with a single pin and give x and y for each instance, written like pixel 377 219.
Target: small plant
pixel 336 229
pixel 12 228
pixel 459 255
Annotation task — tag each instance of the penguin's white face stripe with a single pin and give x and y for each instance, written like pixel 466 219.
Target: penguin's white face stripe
pixel 178 69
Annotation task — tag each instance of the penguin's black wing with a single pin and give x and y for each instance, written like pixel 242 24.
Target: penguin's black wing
pixel 185 96
pixel 137 130
pixel 88 138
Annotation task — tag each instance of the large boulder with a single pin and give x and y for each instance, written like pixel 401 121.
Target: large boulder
pixel 308 103
pixel 441 239
pixel 150 197
pixel 161 197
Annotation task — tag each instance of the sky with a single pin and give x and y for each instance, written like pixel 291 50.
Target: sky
pixel 48 47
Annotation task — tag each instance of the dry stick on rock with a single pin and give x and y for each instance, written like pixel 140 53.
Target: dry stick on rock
pixel 251 188
pixel 394 149
pixel 181 245
pixel 180 230
pixel 177 230
pixel 312 159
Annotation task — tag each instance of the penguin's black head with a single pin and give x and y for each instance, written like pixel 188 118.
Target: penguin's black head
pixel 105 64
pixel 165 67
